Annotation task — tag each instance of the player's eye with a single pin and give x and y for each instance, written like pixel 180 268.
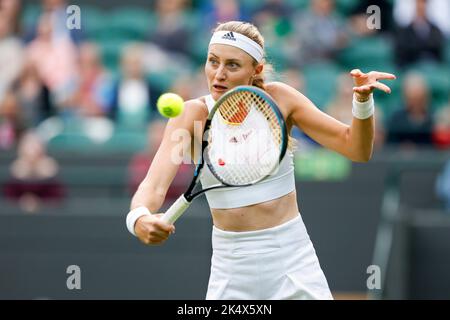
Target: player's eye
pixel 213 61
pixel 233 65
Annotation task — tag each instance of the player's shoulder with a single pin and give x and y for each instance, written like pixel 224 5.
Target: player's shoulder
pixel 278 87
pixel 286 96
pixel 197 106
pixel 194 110
pixel 281 92
pixel 196 103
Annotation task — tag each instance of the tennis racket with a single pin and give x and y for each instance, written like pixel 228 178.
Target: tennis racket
pixel 244 140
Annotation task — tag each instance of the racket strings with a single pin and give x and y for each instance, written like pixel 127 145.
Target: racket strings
pixel 250 122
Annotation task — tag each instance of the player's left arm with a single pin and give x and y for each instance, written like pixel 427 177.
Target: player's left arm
pixel 353 141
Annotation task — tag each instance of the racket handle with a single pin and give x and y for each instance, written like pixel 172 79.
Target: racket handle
pixel 176 210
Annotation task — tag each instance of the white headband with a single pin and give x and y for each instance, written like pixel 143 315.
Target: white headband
pixel 239 41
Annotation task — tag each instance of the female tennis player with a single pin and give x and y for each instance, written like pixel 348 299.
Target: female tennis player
pixel 261 248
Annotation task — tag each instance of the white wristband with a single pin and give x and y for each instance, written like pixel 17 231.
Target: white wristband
pixel 133 215
pixel 363 110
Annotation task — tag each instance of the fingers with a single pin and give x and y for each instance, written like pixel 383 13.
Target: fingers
pixel 383 75
pixel 370 87
pixel 159 234
pixel 164 225
pixel 382 87
pixel 155 220
pixel 362 89
pixel 367 82
pixel 358 73
pixel 153 240
pixel 152 231
pixel 155 236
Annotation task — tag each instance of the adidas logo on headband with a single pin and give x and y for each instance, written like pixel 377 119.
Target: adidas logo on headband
pixel 229 36
pixel 240 41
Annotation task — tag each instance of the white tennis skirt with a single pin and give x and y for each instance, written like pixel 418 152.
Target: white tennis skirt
pixel 271 264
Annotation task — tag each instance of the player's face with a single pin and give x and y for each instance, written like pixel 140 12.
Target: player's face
pixel 227 67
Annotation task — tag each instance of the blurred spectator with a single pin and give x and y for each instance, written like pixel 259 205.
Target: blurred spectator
pixel 318 34
pixel 172 32
pixel 412 125
pixel 380 130
pixel 156 60
pixel 443 186
pixel 12 9
pixel 359 17
pixel 140 163
pixel 277 9
pixel 437 11
pixel 134 100
pixel 11 55
pixel 183 86
pixel 56 9
pixel 441 130
pixel 54 59
pixel 92 96
pixel 294 78
pixel 341 108
pixel 199 84
pixel 218 11
pixel 33 176
pixel 11 125
pixel 419 41
pixel 273 19
pixel 33 96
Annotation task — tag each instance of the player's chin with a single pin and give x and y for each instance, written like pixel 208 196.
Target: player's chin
pixel 216 93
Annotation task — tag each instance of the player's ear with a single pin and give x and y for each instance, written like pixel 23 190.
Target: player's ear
pixel 258 69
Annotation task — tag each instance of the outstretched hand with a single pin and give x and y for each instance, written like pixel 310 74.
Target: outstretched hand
pixel 366 83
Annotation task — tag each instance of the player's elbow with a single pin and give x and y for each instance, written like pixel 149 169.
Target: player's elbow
pixel 363 157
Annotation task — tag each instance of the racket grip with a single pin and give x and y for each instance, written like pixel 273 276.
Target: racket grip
pixel 176 210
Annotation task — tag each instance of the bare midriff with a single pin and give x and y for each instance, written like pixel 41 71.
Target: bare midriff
pixel 259 216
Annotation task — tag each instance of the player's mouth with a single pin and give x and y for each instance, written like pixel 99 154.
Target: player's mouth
pixel 219 88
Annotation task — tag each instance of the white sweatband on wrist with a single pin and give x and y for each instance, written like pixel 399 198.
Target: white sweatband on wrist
pixel 133 215
pixel 363 110
pixel 240 41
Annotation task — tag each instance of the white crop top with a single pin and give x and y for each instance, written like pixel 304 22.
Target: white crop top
pixel 275 186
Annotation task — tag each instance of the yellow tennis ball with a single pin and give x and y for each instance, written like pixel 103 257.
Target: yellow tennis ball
pixel 170 105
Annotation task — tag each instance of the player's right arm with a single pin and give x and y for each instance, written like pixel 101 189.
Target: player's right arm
pixel 152 190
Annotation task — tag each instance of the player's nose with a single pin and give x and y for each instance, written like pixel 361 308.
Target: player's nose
pixel 221 73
